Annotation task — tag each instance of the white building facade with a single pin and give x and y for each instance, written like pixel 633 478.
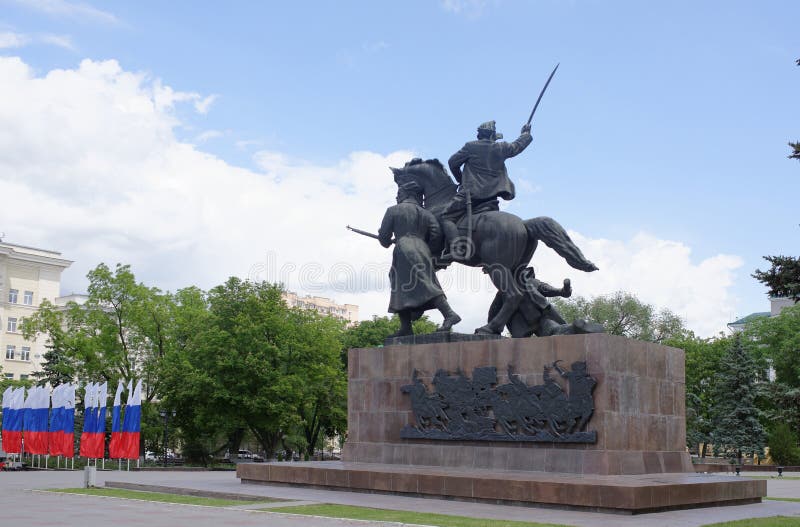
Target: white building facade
pixel 323 306
pixel 27 277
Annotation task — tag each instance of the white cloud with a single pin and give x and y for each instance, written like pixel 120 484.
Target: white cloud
pixel 246 144
pixel 73 10
pixel 374 47
pixel 90 165
pixel 62 41
pixel 202 104
pixel 9 39
pixel 659 272
pixel 469 8
pixel 208 135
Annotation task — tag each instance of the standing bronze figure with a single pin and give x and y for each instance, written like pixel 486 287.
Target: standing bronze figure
pixel 415 288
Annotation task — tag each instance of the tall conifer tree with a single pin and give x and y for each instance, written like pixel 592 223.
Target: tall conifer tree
pixel 737 428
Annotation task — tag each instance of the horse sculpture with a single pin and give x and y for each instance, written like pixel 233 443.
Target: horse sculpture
pixel 502 244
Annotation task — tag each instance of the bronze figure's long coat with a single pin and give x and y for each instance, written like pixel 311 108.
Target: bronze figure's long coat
pixel 412 276
pixel 485 173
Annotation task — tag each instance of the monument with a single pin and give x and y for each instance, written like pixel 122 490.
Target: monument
pixel 560 414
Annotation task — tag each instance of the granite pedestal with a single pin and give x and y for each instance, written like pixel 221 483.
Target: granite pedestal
pixel 639 462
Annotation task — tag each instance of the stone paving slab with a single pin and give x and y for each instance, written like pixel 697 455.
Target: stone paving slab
pixel 21 507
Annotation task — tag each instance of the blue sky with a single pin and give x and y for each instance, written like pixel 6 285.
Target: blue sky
pixel 669 119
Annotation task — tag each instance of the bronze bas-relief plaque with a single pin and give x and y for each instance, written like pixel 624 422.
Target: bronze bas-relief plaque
pixel 460 408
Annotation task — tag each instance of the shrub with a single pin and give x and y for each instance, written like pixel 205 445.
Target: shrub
pixel 783 446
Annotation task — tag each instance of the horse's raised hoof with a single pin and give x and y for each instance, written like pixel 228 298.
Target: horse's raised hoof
pixel 486 330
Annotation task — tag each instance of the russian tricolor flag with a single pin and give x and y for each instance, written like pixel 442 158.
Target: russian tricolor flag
pixel 93 436
pixel 68 449
pixel 62 421
pixel 12 420
pixel 114 450
pixel 131 424
pixel 37 413
pixel 56 420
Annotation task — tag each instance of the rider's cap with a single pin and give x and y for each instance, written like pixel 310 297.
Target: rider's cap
pixel 488 125
pixel 410 186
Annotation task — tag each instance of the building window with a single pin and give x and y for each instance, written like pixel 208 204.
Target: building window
pixel 11 350
pixel 12 325
pixel 27 298
pixel 9 376
pixel 23 376
pixel 12 296
pixel 25 353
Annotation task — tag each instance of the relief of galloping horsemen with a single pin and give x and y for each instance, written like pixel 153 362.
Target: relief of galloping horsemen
pixel 482 409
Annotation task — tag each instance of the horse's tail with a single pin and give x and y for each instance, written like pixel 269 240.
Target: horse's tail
pixel 554 236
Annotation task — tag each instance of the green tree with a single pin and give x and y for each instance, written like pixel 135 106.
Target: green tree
pixel 124 328
pixel 780 403
pixel 244 361
pixel 775 343
pixel 624 314
pixel 703 362
pixel 777 340
pixel 321 404
pixel 205 429
pixel 372 333
pixel 783 445
pixel 782 278
pixel 58 366
pixel 120 333
pixel 736 424
pixel 5 383
pixel 795 150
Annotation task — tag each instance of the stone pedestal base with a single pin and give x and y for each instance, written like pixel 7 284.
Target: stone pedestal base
pixel 632 457
pixel 620 494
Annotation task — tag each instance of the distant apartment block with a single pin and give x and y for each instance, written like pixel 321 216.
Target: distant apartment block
pixel 27 277
pixel 324 306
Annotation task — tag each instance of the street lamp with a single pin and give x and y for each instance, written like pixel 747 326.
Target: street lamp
pixel 166 415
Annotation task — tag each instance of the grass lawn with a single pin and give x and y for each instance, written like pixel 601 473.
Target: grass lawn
pixel 441 520
pixel 158 496
pixel 774 521
pixel 782 499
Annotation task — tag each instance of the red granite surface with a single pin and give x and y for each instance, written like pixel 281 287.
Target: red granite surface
pixel 639 405
pixel 638 464
pixel 628 494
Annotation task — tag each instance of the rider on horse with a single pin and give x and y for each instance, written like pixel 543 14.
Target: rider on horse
pixel 485 178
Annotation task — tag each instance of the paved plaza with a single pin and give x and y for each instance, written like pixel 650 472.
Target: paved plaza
pixel 21 504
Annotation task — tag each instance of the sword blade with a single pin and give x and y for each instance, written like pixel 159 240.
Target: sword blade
pixel 546 84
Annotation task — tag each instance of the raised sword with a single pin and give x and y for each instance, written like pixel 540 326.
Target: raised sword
pixel 546 84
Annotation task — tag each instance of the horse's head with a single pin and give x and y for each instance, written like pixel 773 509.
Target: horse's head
pixel 429 174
